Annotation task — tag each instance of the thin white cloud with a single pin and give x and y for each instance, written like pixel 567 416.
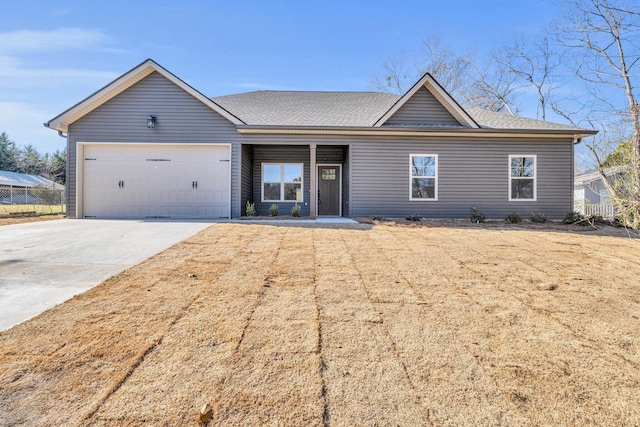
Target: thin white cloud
pixel 14 75
pixel 24 125
pixel 36 82
pixel 24 41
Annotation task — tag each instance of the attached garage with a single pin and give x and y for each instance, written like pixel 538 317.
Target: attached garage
pixel 154 180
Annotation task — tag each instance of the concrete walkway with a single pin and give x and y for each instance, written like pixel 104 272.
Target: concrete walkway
pixel 322 220
pixel 45 263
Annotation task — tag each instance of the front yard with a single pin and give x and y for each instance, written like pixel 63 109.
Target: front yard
pixel 370 325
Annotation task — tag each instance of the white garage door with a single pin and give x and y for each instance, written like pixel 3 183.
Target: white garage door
pixel 156 181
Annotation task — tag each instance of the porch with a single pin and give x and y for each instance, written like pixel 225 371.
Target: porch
pixel 288 175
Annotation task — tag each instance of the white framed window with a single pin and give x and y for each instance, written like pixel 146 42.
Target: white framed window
pixel 282 182
pixel 522 177
pixel 423 177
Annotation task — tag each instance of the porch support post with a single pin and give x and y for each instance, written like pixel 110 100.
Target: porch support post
pixel 313 200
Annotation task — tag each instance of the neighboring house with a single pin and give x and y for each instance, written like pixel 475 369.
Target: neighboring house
pixel 150 145
pixel 17 188
pixel 590 195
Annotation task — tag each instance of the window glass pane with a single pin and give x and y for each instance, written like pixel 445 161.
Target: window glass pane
pixel 423 188
pixel 423 166
pixel 328 174
pixel 522 188
pixel 292 173
pixel 272 191
pixel 293 192
pixel 522 166
pixel 271 174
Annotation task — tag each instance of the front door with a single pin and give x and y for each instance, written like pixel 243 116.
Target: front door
pixel 329 178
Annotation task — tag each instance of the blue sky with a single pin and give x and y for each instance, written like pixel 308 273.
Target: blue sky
pixel 54 54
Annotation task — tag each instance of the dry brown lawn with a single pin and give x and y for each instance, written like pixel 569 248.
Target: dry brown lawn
pixel 365 326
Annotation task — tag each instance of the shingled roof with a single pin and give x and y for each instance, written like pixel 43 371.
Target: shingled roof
pixel 287 108
pixel 349 109
pixel 492 120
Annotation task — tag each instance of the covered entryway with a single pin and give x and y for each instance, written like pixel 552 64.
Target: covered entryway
pixel 329 185
pixel 155 181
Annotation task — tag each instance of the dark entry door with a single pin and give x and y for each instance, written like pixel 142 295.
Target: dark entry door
pixel 329 190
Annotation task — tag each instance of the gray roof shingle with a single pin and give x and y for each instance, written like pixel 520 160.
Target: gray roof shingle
pixel 351 109
pixel 286 108
pixel 493 120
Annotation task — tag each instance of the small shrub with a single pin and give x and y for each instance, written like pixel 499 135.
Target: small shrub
pixel 273 210
pixel 513 218
pixel 251 209
pixel 379 218
pixel 574 217
pixel 477 216
pixel 414 217
pixel 538 217
pixel 295 210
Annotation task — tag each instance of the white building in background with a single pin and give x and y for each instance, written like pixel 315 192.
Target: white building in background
pixel 590 194
pixel 17 188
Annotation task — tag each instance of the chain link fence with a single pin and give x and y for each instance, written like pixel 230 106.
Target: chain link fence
pixel 31 201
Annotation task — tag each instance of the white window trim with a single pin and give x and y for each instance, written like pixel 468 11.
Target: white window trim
pixel 534 177
pixel 411 177
pixel 282 182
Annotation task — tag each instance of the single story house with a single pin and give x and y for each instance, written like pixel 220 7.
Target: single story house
pixel 150 145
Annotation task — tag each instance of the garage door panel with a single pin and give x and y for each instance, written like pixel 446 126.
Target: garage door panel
pixel 158 181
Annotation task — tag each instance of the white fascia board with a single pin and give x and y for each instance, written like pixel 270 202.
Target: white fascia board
pixel 62 121
pixel 427 81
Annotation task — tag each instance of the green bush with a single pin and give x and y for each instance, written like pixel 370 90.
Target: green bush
pixel 538 217
pixel 513 218
pixel 250 209
pixel 273 210
pixel 414 217
pixel 477 216
pixel 378 218
pixel 574 217
pixel 295 210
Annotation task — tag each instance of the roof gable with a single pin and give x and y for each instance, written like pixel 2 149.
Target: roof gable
pixel 62 121
pixel 422 109
pixel 426 104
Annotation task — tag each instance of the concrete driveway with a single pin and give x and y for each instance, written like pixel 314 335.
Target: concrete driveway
pixel 45 263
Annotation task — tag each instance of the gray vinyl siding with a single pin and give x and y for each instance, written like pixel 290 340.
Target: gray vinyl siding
pixel 334 154
pixel 422 109
pixel 280 154
pixel 471 173
pixel 345 182
pixel 180 119
pixel 329 154
pixel 246 185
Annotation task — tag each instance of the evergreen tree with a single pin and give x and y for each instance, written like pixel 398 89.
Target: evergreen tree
pixel 31 162
pixel 58 166
pixel 8 154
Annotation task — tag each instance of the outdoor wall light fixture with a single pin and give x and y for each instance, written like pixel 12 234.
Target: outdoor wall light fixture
pixel 151 122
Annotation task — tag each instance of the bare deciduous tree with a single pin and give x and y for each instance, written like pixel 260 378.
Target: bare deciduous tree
pixel 535 64
pixel 449 68
pixel 493 88
pixel 487 88
pixel 604 36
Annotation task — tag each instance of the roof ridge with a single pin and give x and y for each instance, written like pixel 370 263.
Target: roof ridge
pixel 308 91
